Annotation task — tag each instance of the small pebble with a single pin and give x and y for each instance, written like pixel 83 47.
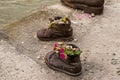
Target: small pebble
pixel 118 72
pixel 22 70
pixel 93 15
pixel 74 22
pixel 88 65
pixel 86 69
pixel 115 58
pixel 75 40
pixel 22 42
pixel 84 62
pixel 87 50
pixel 38 57
pixel 91 71
pixel 100 69
pixel 35 36
pixel 114 61
pixel 84 59
pixel 118 68
pixel 114 54
pixel 45 47
pixel 81 23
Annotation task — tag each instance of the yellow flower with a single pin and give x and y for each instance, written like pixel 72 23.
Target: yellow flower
pixel 64 19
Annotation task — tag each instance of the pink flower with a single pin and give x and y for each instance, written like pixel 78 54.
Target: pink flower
pixel 61 50
pixel 90 16
pixel 62 56
pixel 55 46
pixel 80 16
pixel 87 15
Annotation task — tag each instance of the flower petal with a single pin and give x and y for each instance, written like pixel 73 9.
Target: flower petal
pixel 61 50
pixel 62 56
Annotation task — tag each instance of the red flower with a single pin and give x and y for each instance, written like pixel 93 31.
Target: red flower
pixel 61 50
pixel 55 46
pixel 62 56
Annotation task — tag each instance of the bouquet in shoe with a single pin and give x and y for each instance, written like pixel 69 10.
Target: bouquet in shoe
pixel 66 50
pixel 59 29
pixel 65 58
pixel 58 20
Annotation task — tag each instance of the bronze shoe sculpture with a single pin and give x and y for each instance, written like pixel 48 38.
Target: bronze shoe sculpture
pixel 59 29
pixel 66 60
pixel 88 6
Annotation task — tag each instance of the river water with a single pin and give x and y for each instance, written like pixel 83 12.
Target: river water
pixel 12 10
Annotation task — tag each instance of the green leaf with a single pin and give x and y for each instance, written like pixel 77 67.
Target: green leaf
pixel 78 52
pixel 71 52
pixel 57 48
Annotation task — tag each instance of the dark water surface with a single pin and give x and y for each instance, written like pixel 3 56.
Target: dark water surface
pixel 12 10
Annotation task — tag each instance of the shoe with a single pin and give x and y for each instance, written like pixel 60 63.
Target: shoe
pixel 88 6
pixel 70 65
pixel 59 29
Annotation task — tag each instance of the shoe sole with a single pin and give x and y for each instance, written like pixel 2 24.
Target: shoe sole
pixel 57 69
pixel 85 8
pixel 56 39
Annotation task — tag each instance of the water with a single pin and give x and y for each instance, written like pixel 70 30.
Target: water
pixel 12 10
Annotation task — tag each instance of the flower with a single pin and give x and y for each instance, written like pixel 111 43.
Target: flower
pixel 84 15
pixel 62 56
pixel 55 46
pixel 64 19
pixel 64 50
pixel 61 50
pixel 80 16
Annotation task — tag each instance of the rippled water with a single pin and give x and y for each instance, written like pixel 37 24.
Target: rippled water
pixel 11 10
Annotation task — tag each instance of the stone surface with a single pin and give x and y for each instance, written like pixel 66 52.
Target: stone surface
pixel 98 38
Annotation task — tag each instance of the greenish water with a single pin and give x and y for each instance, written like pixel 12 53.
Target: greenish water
pixel 12 10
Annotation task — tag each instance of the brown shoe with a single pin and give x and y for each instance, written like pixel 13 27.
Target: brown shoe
pixel 59 30
pixel 71 65
pixel 88 6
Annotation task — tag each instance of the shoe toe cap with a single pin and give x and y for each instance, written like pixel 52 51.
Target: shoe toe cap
pixel 40 33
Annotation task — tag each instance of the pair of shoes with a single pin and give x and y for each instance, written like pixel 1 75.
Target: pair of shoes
pixel 67 59
pixel 63 58
pixel 88 6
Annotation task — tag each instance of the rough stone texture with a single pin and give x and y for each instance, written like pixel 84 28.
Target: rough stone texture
pixel 22 54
